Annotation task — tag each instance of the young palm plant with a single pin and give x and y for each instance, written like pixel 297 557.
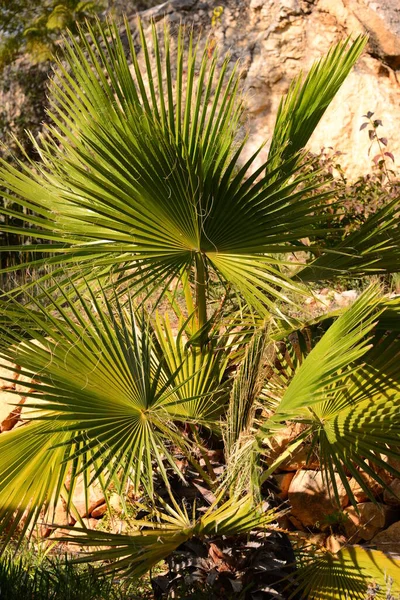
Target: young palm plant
pixel 142 202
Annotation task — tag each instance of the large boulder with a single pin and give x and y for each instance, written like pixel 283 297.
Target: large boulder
pixel 359 492
pixel 95 497
pixel 391 495
pixel 389 539
pixel 364 522
pixel 312 500
pixel 276 39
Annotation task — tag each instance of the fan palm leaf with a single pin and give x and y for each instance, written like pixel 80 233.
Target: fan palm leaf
pixel 354 573
pixel 352 412
pixel 303 107
pixel 148 542
pixel 141 174
pixel 103 395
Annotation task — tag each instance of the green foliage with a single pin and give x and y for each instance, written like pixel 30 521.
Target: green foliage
pixel 140 197
pixel 56 578
pixel 34 26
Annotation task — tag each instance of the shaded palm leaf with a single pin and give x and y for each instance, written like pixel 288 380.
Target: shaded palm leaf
pixel 373 248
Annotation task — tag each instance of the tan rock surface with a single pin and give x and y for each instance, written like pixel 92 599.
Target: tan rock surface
pixel 96 497
pixel 359 493
pixel 389 539
pixel 9 413
pixel 301 458
pixel 99 511
pixel 392 497
pixel 312 502
pixel 7 371
pixel 283 481
pixel 12 419
pixel 371 519
pixel 275 39
pixel 334 543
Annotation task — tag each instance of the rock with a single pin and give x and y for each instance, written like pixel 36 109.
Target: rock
pixel 7 371
pixel 303 539
pixel 312 500
pixel 88 523
pixel 282 438
pixel 23 384
pixel 345 298
pixel 381 19
pixel 115 504
pixel 60 516
pixel 9 414
pixel 15 415
pixel 372 518
pixel 96 497
pixel 284 522
pixel 275 40
pixel 99 512
pixel 389 539
pixel 359 494
pixel 392 497
pixel 302 458
pixel 283 481
pixel 70 547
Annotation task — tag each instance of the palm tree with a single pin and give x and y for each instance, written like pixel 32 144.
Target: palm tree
pixel 140 197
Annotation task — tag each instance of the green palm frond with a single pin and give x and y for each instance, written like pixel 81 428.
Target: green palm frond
pixel 238 427
pixel 354 573
pixel 198 371
pixel 141 175
pixel 371 249
pixel 308 98
pixel 352 412
pixel 24 453
pixel 149 542
pixel 245 391
pixel 345 342
pixel 103 392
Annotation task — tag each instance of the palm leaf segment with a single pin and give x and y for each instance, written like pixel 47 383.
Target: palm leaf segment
pixel 105 401
pixel 346 391
pixel 148 542
pixel 354 573
pixel 141 178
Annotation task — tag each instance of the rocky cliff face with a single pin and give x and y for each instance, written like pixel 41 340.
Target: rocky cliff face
pixel 275 39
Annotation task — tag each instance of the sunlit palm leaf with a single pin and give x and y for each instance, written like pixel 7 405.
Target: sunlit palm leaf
pixel 198 371
pixel 345 342
pixel 353 413
pixel 105 399
pixel 303 107
pixel 148 543
pixel 140 173
pixel 354 573
pixel 25 453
